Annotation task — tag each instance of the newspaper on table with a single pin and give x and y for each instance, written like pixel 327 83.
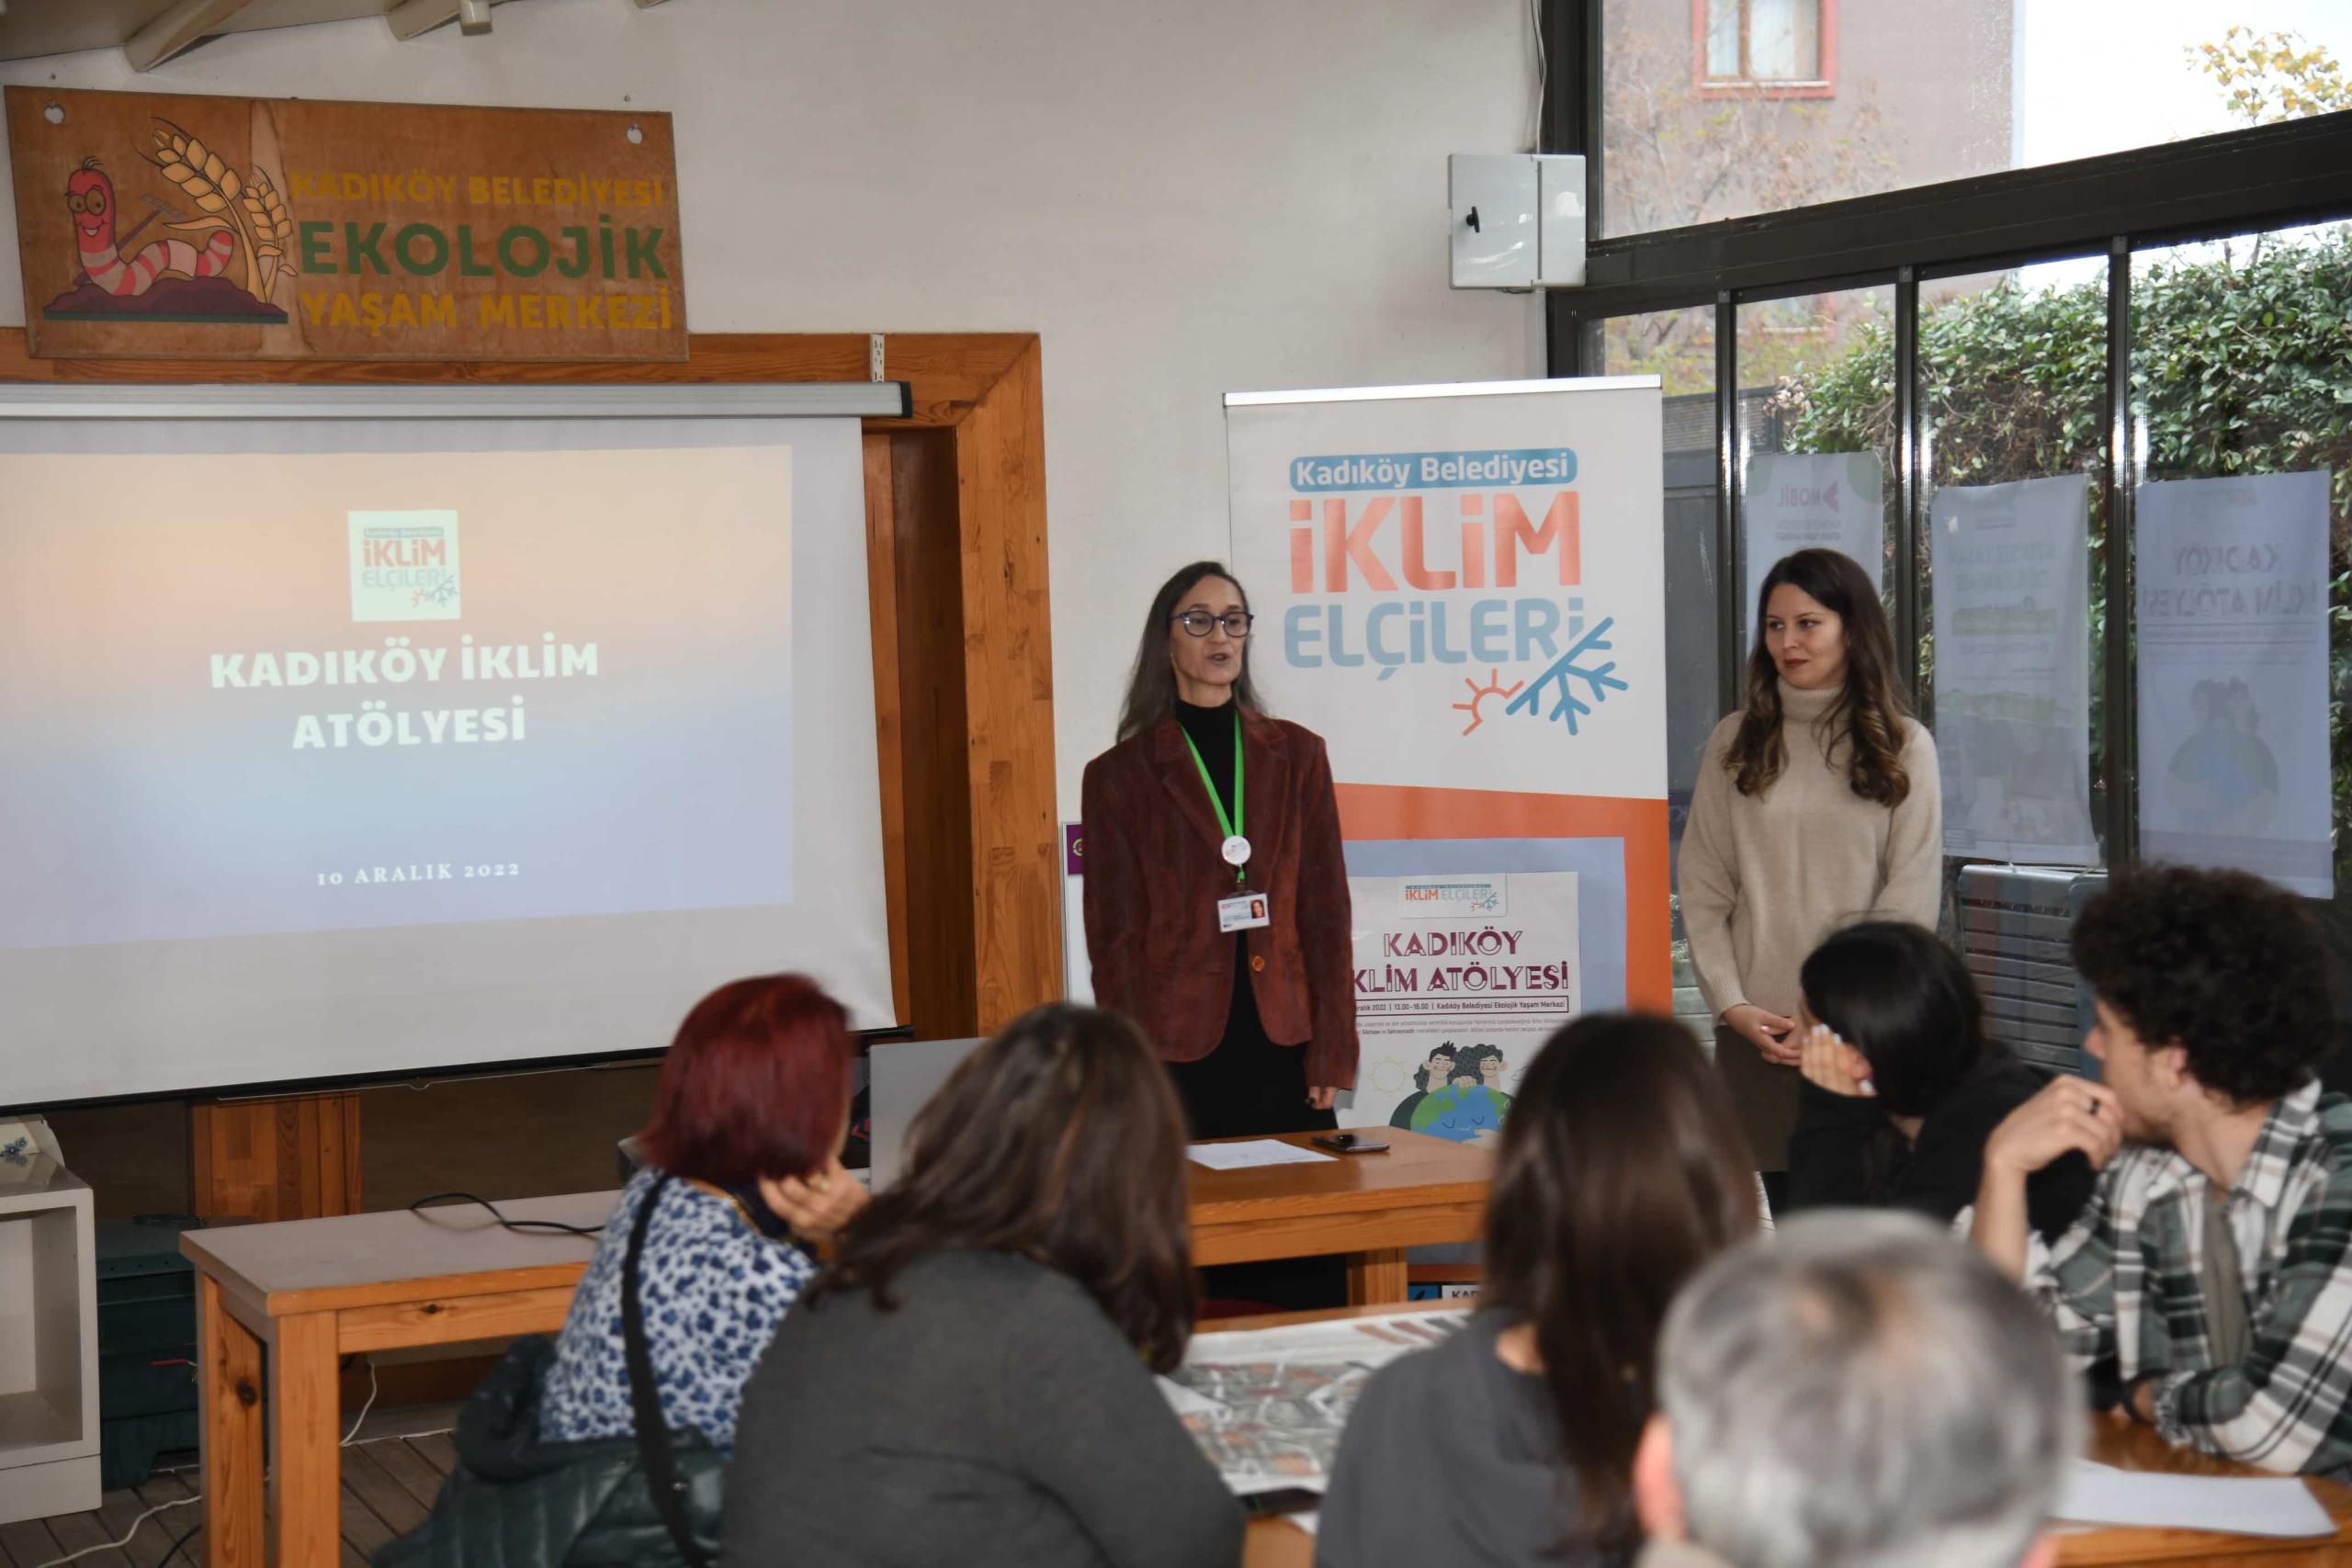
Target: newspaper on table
pixel 1267 1406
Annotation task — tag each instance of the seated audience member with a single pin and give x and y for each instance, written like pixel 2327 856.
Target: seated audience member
pixel 970 1380
pixel 744 1150
pixel 1901 1088
pixel 743 1180
pixel 1858 1389
pixel 1621 1170
pixel 2208 1282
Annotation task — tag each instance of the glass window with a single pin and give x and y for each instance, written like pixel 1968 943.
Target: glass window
pixel 1679 346
pixel 2242 545
pixel 2012 593
pixel 1720 109
pixel 1815 435
pixel 1763 42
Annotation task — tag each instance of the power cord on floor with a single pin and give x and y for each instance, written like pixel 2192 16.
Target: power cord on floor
pixel 352 1436
pixel 186 1536
pixel 118 1545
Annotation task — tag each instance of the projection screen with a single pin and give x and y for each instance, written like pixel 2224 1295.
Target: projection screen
pixel 365 732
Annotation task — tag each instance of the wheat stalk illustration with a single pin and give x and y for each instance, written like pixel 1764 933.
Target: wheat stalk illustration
pixel 207 181
pixel 266 216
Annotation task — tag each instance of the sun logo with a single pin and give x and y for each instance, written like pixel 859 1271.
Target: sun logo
pixel 1493 688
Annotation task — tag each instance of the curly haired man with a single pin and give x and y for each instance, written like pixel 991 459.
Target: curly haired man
pixel 2209 1280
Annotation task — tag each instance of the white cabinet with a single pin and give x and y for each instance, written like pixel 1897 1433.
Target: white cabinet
pixel 48 1342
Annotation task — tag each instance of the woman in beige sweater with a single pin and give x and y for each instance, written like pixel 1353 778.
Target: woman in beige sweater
pixel 1817 805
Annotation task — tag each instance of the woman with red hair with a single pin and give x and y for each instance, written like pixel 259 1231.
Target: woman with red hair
pixel 743 1169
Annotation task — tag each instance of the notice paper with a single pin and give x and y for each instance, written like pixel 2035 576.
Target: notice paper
pixel 2102 1495
pixel 1252 1152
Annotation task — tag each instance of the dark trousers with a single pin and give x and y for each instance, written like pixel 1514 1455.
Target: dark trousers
pixel 1249 1087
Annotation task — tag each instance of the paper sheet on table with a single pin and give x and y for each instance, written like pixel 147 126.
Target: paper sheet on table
pixel 1252 1152
pixel 1267 1406
pixel 2102 1495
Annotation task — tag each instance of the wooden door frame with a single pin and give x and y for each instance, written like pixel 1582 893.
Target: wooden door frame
pixel 955 519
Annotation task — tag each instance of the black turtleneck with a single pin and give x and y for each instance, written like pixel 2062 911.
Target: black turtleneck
pixel 1212 733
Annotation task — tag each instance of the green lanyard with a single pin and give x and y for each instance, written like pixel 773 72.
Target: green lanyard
pixel 1232 825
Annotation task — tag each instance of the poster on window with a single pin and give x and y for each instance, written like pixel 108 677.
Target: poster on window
pixel 1459 979
pixel 2232 581
pixel 1804 501
pixel 2012 655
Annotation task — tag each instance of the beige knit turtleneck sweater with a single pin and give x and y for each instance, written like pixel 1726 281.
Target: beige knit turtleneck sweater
pixel 1763 880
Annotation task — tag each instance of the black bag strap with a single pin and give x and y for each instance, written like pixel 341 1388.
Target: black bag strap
pixel 653 1450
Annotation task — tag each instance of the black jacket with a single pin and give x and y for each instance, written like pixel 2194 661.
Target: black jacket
pixel 1846 1153
pixel 516 1501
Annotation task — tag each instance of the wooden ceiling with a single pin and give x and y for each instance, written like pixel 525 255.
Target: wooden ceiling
pixel 150 32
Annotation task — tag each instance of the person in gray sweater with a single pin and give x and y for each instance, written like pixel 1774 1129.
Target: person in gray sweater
pixel 970 1380
pixel 1622 1173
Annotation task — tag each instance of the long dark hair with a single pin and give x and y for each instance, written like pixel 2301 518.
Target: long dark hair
pixel 1623 1170
pixel 1152 685
pixel 1868 715
pixel 1897 994
pixel 1060 1141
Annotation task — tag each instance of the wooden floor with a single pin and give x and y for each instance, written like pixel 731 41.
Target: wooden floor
pixel 388 1482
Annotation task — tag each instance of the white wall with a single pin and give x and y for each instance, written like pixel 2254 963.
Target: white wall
pixel 1184 197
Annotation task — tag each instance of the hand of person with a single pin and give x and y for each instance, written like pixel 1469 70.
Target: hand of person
pixel 819 1205
pixel 1768 1031
pixel 1829 1062
pixel 2068 1114
pixel 1321 1096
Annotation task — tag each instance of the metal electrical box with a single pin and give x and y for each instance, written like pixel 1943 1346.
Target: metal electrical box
pixel 1518 220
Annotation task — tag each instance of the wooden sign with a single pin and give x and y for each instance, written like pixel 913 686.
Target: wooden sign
pixel 218 228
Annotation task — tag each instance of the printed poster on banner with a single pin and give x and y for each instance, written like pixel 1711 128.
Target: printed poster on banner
pixel 1459 980
pixel 1803 500
pixel 1462 591
pixel 2231 578
pixel 2012 628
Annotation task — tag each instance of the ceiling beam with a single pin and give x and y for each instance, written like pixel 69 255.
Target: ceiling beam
pixel 411 18
pixel 182 28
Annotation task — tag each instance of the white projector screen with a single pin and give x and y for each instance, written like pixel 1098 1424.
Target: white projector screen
pixel 348 746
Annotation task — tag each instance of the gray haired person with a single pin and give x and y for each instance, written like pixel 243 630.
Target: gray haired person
pixel 1861 1391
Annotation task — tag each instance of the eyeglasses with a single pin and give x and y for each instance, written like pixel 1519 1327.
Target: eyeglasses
pixel 1198 622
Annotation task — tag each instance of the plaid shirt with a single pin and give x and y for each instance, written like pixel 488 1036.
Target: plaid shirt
pixel 2124 1283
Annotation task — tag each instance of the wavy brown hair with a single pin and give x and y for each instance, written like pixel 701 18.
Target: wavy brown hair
pixel 1060 1141
pixel 1623 1170
pixel 1152 683
pixel 1866 719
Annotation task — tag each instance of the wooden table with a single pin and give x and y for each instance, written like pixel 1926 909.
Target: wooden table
pixel 1423 1191
pixel 311 1291
pixel 1277 1543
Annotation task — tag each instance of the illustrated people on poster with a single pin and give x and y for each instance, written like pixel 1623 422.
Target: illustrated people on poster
pixel 1430 1075
pixel 2225 777
pixel 1470 1107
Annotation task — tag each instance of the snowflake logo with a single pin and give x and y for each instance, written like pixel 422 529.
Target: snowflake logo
pixel 1479 694
pixel 1566 669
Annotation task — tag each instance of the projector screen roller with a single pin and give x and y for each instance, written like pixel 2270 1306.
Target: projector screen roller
pixel 344 746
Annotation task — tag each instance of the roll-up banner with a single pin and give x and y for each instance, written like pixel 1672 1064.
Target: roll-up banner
pixel 1460 588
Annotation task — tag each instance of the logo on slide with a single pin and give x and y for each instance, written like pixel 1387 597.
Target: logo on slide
pixel 405 566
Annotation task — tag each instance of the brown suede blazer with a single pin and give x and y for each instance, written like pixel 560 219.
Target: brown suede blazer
pixel 1153 877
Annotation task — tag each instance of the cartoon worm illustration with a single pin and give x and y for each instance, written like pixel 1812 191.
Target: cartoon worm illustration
pixel 90 193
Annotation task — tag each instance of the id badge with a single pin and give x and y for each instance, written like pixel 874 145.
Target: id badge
pixel 1243 912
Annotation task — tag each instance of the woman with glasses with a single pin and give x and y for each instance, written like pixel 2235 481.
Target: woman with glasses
pixel 1217 900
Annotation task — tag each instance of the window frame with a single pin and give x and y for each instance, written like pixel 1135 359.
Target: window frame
pixel 1822 85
